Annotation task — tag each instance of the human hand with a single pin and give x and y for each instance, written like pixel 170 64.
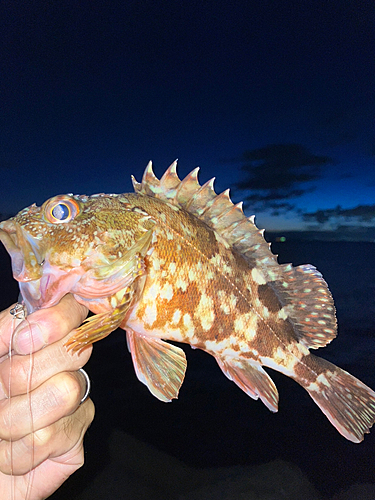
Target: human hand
pixel 42 424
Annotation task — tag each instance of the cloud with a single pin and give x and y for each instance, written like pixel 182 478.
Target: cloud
pixel 278 172
pixel 363 214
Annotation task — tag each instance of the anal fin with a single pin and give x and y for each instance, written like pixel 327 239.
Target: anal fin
pixel 159 365
pixel 252 379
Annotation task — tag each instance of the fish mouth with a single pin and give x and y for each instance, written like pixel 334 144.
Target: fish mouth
pixel 24 249
pixel 41 284
pixel 27 262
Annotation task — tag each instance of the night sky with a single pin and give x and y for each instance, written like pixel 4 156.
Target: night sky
pixel 273 98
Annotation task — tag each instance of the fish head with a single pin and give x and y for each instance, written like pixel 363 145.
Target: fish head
pixel 70 238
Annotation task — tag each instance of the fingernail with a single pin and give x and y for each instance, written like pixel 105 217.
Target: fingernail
pixel 28 338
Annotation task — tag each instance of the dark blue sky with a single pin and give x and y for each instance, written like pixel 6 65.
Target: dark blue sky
pixel 90 91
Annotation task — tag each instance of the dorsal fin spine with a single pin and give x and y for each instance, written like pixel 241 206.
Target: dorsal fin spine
pixel 186 189
pixel 170 180
pixel 217 211
pixel 136 185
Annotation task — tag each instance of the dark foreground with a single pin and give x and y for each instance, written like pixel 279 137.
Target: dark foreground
pixel 214 442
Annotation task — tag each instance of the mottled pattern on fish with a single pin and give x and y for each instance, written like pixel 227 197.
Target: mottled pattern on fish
pixel 175 261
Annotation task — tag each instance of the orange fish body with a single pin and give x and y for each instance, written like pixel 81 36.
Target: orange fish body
pixel 175 261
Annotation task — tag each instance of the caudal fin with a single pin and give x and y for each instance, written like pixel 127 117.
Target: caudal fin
pixel 347 403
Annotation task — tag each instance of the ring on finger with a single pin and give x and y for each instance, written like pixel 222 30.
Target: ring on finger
pixel 88 385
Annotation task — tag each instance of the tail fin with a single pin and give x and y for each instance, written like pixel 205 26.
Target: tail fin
pixel 347 403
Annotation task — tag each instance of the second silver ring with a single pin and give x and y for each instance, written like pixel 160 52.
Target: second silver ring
pixel 88 385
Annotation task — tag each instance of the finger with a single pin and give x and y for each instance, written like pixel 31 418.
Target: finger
pixel 58 397
pixel 22 374
pixel 46 326
pixel 52 442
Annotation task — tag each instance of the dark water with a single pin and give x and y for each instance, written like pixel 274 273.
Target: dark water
pixel 213 423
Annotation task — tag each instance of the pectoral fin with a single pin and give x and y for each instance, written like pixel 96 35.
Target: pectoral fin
pixel 110 286
pixel 101 325
pixel 252 379
pixel 158 365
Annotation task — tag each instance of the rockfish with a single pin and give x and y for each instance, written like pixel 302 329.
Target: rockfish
pixel 175 261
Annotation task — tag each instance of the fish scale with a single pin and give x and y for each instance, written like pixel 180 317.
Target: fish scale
pixel 175 261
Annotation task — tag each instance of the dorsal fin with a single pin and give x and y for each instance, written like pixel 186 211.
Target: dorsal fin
pixel 217 211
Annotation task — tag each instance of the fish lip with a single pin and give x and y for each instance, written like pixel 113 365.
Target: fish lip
pixel 24 249
pixel 8 236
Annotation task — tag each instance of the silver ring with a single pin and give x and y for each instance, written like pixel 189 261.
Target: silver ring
pixel 88 385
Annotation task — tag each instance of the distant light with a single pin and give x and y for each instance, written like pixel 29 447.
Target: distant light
pixel 280 239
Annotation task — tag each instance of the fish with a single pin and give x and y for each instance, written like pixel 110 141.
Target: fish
pixel 174 261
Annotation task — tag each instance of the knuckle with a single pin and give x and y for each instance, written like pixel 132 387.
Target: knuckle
pixel 90 409
pixel 14 377
pixel 82 312
pixel 73 310
pixel 86 414
pixel 5 421
pixel 42 437
pixel 21 369
pixel 69 388
pixel 6 460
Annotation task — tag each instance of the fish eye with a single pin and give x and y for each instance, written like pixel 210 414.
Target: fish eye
pixel 61 212
pixel 61 209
